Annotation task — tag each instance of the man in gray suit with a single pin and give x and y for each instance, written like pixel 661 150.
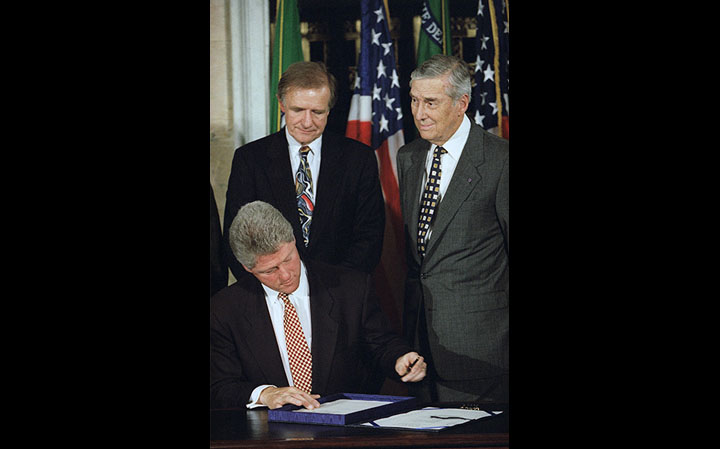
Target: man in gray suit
pixel 457 240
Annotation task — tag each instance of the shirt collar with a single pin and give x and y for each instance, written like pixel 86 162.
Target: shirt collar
pixel 294 145
pixel 455 144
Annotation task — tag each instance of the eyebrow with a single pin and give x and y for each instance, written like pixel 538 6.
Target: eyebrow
pixel 424 98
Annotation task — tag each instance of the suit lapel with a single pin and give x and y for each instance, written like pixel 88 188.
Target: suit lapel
pixel 465 178
pixel 264 349
pixel 416 176
pixel 326 186
pixel 324 332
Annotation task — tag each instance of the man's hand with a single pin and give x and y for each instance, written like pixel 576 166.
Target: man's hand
pixel 277 397
pixel 411 366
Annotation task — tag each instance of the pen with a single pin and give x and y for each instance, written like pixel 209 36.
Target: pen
pixel 413 364
pixel 451 417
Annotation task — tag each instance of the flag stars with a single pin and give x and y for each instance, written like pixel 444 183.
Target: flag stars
pixel 388 101
pixel 483 44
pixel 381 69
pixel 385 114
pixel 395 80
pixel 379 13
pixel 489 74
pixel 375 37
pixel 383 123
pixel 491 69
pixel 376 92
pixel 478 63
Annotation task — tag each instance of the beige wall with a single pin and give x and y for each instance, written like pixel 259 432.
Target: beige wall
pixel 221 140
pixel 239 84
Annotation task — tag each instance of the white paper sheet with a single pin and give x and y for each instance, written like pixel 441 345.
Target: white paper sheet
pixel 343 406
pixel 430 418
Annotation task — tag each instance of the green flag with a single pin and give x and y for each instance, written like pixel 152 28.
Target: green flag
pixel 287 49
pixel 434 30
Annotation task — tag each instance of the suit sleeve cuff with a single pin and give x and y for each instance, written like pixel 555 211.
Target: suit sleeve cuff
pixel 255 396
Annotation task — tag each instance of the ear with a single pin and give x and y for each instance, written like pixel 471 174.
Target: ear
pixel 246 268
pixel 280 104
pixel 463 103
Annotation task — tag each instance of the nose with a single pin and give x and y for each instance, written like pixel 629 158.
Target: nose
pixel 419 111
pixel 284 275
pixel 307 119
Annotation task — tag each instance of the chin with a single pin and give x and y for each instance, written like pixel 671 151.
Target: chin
pixel 426 136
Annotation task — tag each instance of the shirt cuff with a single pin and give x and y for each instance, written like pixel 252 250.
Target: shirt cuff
pixel 255 396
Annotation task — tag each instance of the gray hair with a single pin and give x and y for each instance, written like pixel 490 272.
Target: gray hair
pixel 258 229
pixel 457 71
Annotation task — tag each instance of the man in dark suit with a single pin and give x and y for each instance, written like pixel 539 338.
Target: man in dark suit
pixel 253 342
pixel 457 240
pixel 335 182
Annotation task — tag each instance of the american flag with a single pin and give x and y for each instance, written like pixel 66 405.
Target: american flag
pixel 375 119
pixel 491 92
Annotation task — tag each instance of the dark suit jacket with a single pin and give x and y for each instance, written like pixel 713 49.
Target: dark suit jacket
pixel 347 325
pixel 349 217
pixel 462 282
pixel 218 267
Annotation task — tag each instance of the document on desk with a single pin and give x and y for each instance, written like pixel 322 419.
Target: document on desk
pixel 344 406
pixel 430 418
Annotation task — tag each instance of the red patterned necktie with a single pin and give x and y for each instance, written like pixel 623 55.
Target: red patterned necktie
pixel 429 200
pixel 298 353
pixel 303 185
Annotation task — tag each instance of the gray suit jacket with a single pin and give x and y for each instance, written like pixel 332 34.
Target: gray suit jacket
pixel 462 282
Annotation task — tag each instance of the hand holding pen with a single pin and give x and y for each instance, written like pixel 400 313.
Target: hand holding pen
pixel 411 367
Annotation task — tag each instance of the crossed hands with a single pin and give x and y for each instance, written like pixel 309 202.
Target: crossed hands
pixel 411 367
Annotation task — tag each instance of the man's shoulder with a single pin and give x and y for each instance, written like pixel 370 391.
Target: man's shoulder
pixel 335 274
pixel 490 140
pixel 233 296
pixel 344 143
pixel 263 143
pixel 415 145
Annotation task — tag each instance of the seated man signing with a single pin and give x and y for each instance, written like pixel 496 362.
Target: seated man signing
pixel 296 329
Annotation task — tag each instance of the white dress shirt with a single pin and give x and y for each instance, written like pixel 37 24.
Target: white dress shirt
pixel 313 158
pixel 300 298
pixel 448 161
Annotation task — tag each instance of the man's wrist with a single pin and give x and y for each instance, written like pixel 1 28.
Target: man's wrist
pixel 255 396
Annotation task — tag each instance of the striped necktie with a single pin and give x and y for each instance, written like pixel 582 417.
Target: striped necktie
pixel 304 186
pixel 429 200
pixel 299 355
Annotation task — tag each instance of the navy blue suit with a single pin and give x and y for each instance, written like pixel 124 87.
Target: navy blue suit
pixel 348 221
pixel 348 330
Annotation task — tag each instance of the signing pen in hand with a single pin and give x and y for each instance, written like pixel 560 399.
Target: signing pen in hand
pixel 412 364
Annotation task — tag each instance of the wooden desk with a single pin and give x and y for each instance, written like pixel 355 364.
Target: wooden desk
pixel 241 428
